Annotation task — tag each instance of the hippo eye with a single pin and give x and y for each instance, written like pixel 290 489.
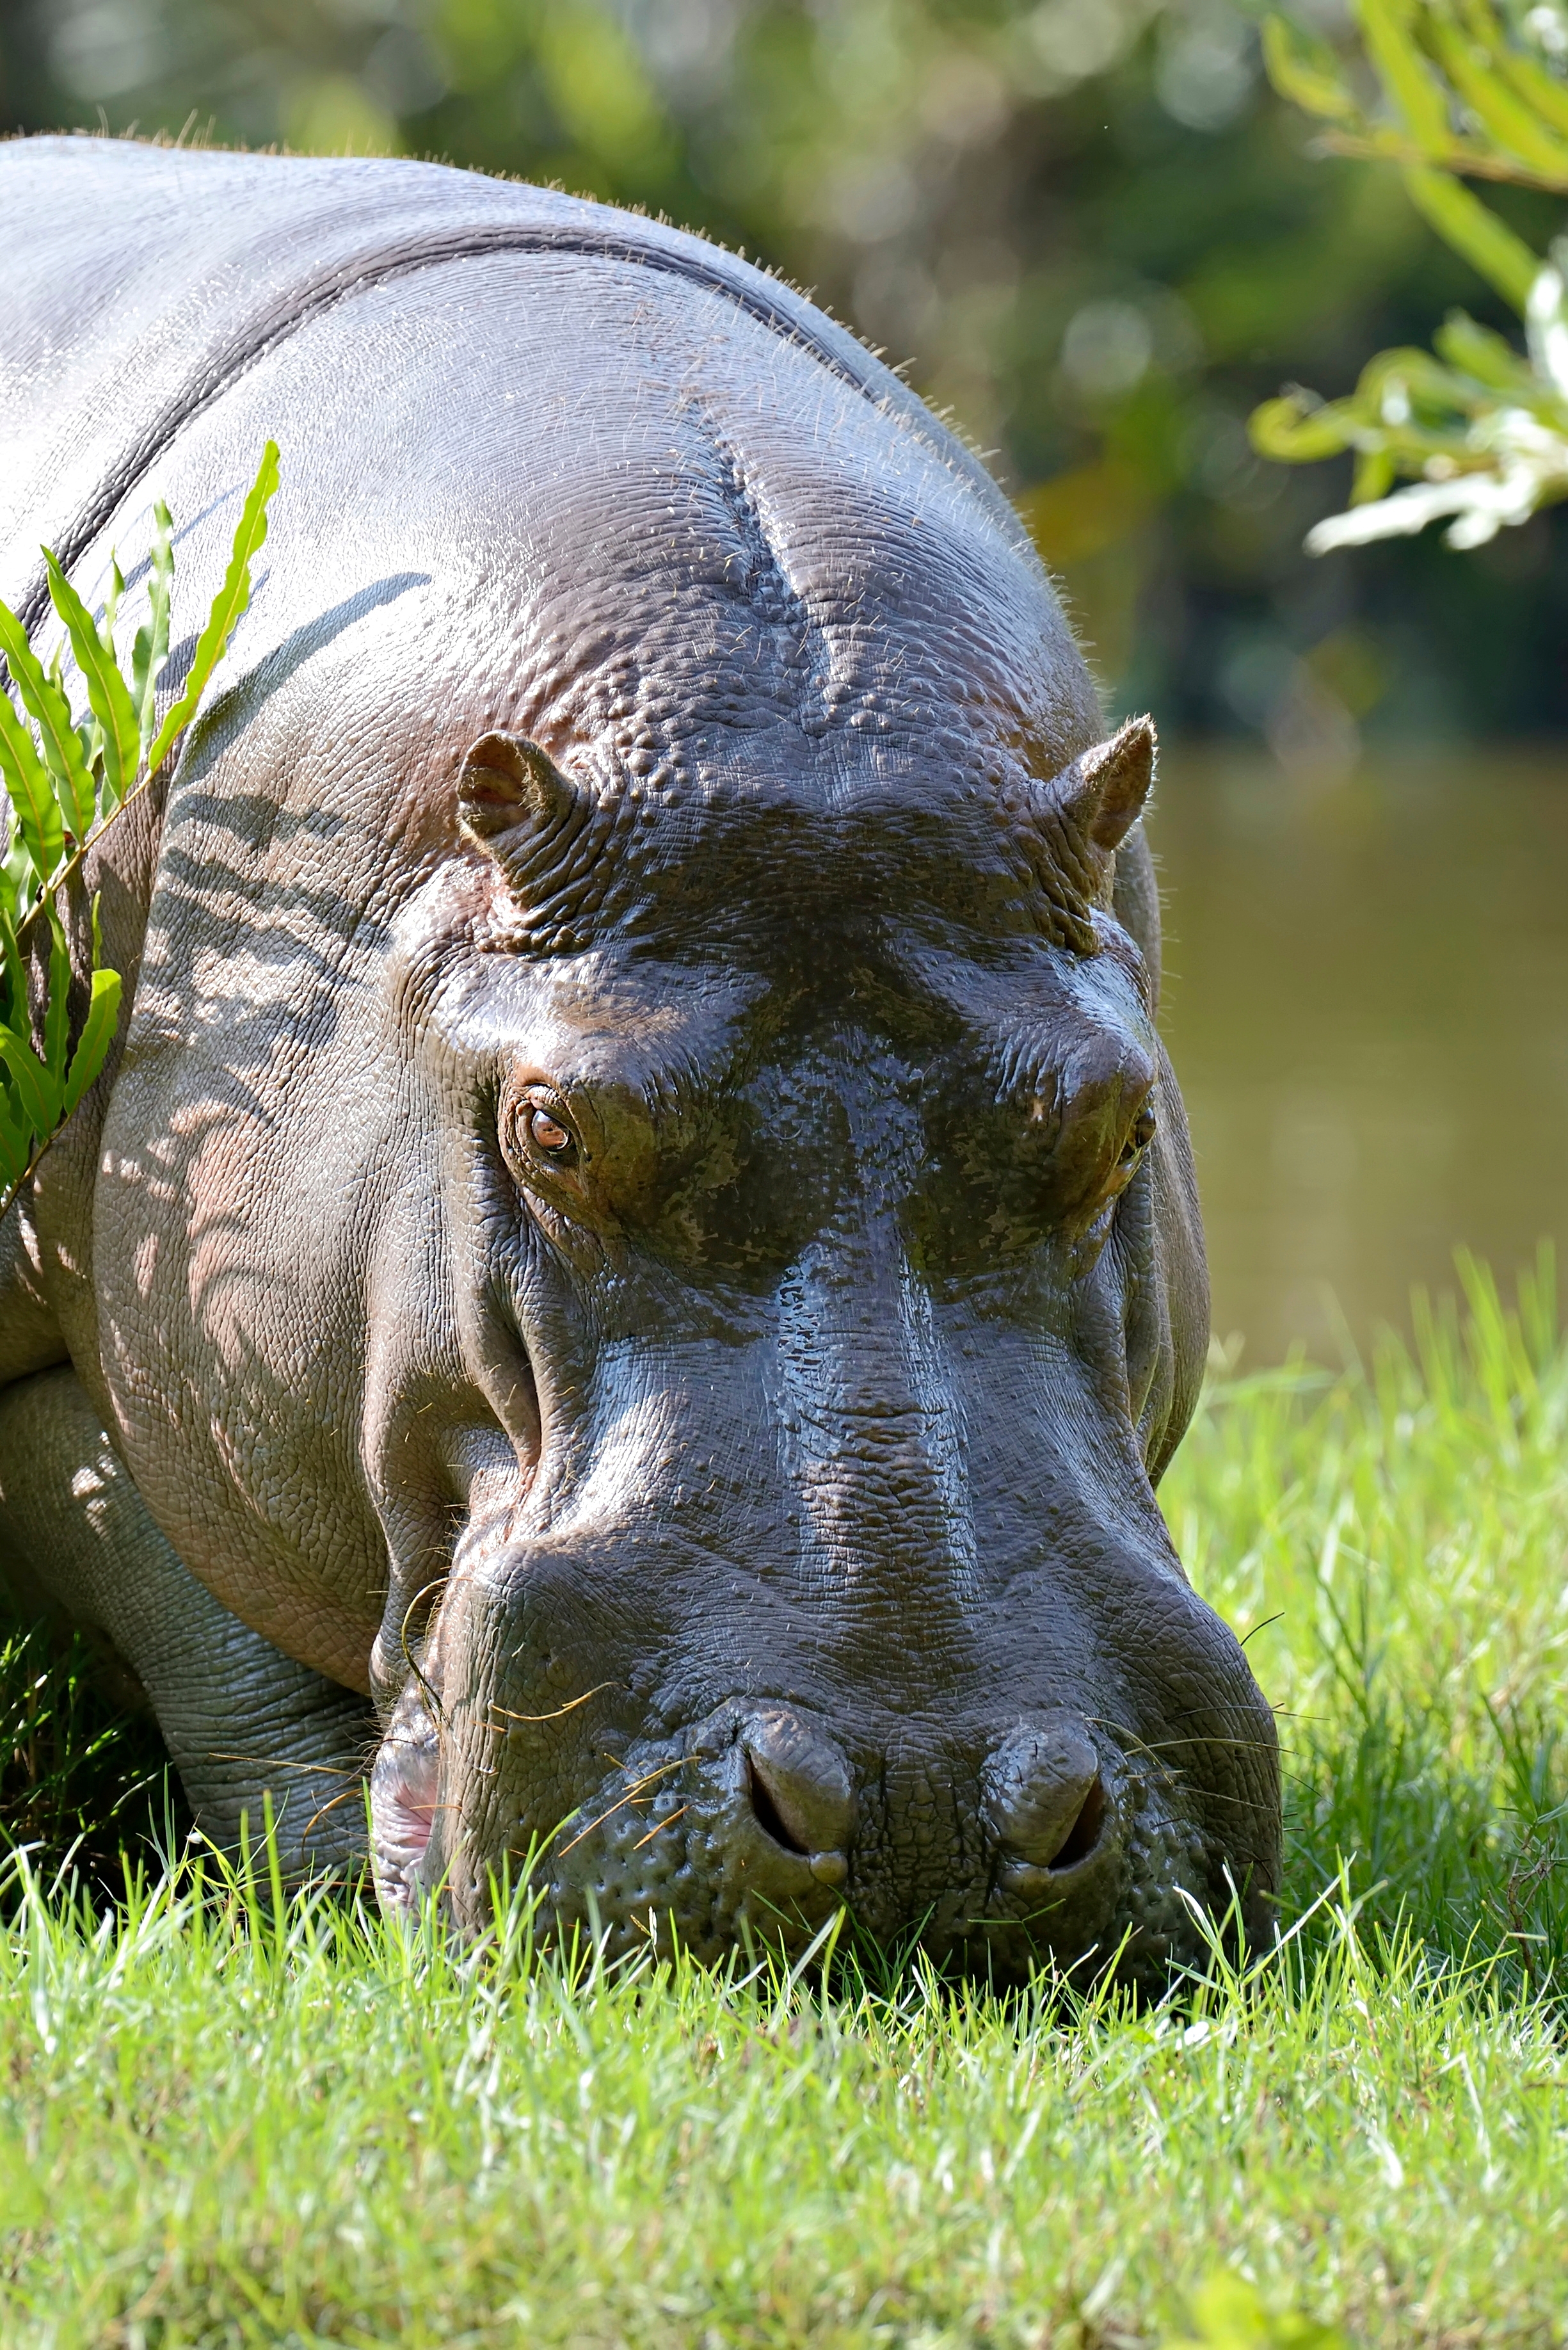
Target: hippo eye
pixel 1138 1141
pixel 549 1136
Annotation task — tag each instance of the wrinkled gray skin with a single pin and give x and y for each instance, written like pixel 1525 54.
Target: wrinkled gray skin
pixel 642 1277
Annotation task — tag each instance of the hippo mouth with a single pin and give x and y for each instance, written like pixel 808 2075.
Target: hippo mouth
pixel 405 1787
pixel 755 1831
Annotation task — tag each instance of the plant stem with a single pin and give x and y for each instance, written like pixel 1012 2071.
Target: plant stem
pixel 1470 162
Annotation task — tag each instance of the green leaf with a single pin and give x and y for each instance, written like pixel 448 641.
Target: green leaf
pixel 96 1037
pixel 111 601
pixel 228 605
pixel 14 992
pixel 1230 2313
pixel 1406 376
pixel 17 1139
pixel 1541 90
pixel 1405 73
pixel 1303 69
pixel 57 998
pixel 1496 364
pixel 51 713
pixel 106 690
pixel 17 881
pixel 1294 434
pixel 151 649
pixel 42 1096
pixel 32 794
pixel 53 790
pixel 1504 260
pixel 89 734
pixel 1514 125
pixel 1373 476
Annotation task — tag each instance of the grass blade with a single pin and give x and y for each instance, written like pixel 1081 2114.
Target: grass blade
pixel 229 604
pixel 108 691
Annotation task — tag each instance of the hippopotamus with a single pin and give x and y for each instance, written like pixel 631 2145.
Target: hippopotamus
pixel 611 1325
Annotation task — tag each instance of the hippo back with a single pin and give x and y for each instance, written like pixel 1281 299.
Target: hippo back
pixel 143 281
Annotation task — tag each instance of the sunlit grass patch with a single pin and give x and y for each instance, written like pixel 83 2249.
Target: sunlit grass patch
pixel 1392 1543
pixel 224 2125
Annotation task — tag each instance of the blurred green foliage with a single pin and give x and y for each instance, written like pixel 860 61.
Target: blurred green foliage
pixel 1477 430
pixel 1090 226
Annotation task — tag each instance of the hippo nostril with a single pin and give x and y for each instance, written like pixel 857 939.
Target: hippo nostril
pixel 1044 1800
pixel 800 1788
pixel 768 1816
pixel 1084 1832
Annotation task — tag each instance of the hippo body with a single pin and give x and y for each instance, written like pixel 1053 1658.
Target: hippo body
pixel 635 1265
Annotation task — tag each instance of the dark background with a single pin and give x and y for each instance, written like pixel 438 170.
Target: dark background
pixel 1089 227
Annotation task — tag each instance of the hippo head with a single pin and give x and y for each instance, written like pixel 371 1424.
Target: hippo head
pixel 786 1284
pixel 827 1292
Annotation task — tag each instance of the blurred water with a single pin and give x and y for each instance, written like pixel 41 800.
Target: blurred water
pixel 1366 999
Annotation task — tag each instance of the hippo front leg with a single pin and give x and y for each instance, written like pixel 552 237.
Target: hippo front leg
pixel 240 1719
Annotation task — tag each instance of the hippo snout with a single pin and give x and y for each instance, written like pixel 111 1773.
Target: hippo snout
pixel 1040 1841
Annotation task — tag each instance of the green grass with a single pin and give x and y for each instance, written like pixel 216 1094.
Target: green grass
pixel 1392 1545
pixel 229 2118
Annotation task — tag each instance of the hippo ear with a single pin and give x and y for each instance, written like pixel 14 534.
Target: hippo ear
pixel 508 785
pixel 1104 790
pixel 546 833
pixel 542 830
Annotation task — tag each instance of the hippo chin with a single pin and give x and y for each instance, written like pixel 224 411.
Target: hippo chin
pixel 637 1263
